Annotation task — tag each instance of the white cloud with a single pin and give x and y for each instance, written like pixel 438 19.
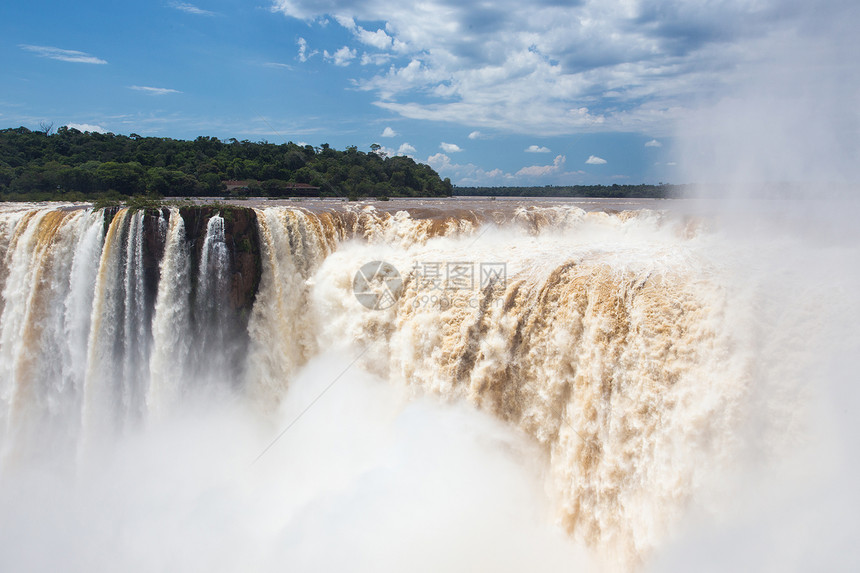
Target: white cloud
pixel 594 160
pixel 86 127
pixel 653 143
pixel 341 57
pixel 304 53
pixel 61 55
pixel 542 170
pixel 378 39
pixel 439 161
pixel 468 174
pixel 191 9
pixel 555 68
pixel 374 59
pixel 537 149
pixel 154 91
pixel 404 149
pixel 450 147
pixel 388 132
pixel 476 135
pixel 277 65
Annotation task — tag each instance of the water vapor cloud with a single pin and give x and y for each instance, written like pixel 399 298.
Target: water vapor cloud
pixel 62 55
pixel 154 91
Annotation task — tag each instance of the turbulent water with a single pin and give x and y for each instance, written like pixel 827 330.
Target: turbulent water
pixel 631 367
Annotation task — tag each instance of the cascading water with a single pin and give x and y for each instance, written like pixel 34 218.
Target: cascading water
pixel 171 321
pixel 618 345
pixel 211 299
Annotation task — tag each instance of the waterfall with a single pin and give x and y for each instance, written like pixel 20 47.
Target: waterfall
pixel 40 257
pixel 170 323
pixel 136 342
pixel 622 346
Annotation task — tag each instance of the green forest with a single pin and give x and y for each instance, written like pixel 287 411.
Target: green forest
pixel 81 166
pixel 71 165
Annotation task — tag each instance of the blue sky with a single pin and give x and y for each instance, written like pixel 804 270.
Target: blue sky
pixel 501 93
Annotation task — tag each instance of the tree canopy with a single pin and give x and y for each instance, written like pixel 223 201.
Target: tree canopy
pixel 75 165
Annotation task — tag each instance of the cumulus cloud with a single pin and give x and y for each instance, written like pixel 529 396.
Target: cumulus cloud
pixel 378 39
pixel 86 127
pixel 304 52
pixel 471 174
pixel 542 170
pixel 468 174
pixel 154 91
pixel 555 67
pixel 450 147
pixel 404 149
pixel 653 143
pixel 341 57
pixel 439 161
pixel 374 59
pixel 476 135
pixel 62 55
pixel 191 9
pixel 595 160
pixel 388 132
pixel 537 149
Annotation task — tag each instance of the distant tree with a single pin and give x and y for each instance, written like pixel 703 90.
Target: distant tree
pixel 93 163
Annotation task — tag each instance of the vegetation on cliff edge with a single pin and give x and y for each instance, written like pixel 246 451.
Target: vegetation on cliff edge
pixel 84 166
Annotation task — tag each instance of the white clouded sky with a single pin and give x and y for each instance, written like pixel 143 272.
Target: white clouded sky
pixel 609 78
pixel 595 65
pixel 154 91
pixel 73 56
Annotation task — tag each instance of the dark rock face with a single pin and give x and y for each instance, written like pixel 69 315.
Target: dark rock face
pixel 154 223
pixel 243 240
pixel 220 325
pixel 243 245
pixel 241 237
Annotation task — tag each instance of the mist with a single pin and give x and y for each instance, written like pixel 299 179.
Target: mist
pixel 776 155
pixel 365 481
pixel 786 117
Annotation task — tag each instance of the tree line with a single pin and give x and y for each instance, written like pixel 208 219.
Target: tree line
pixel 642 191
pixel 79 166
